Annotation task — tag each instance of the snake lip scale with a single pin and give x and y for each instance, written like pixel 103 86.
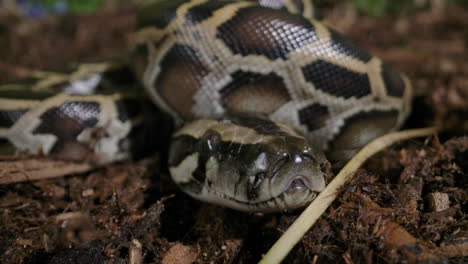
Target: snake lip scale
pixel 273 204
pixel 259 92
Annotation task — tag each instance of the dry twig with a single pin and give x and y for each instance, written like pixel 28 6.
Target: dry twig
pixel 311 214
pixel 37 169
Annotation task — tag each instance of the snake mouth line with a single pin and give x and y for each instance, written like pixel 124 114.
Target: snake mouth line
pixel 298 183
pixel 280 197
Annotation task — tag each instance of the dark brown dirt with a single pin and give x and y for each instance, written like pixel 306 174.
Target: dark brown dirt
pixel 383 216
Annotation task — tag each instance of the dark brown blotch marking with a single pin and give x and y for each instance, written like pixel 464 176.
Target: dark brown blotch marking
pixel 120 77
pixel 140 60
pixel 265 31
pixel 254 93
pixel 299 5
pixel 184 146
pixel 200 172
pixel 336 80
pixel 128 109
pixel 66 122
pixel 72 150
pixel 314 116
pixel 260 124
pixel 9 118
pixel 69 119
pixel 374 123
pixel 393 82
pixel 181 148
pixel 180 78
pixel 301 10
pixel 149 136
pixel 346 46
pixel 203 11
pixel 208 145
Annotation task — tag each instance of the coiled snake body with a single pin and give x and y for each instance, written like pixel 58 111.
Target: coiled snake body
pixel 261 87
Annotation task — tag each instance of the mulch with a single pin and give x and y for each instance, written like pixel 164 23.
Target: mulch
pixel 408 204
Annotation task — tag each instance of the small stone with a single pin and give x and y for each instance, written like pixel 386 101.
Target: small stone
pixel 88 193
pixel 180 254
pixel 438 201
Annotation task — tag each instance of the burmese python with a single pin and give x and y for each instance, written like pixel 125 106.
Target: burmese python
pixel 261 86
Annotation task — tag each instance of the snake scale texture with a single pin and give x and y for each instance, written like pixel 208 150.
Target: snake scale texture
pixel 258 92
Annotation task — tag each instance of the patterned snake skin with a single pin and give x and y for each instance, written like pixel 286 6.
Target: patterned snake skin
pixel 259 90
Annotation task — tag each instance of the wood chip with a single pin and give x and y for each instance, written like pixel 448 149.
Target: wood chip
pixel 135 256
pixel 438 201
pixel 180 254
pixel 37 168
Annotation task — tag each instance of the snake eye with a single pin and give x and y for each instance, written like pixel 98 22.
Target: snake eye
pixel 210 142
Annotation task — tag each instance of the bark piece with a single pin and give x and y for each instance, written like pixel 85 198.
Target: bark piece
pixel 438 201
pixel 180 254
pixel 37 169
pixel 396 238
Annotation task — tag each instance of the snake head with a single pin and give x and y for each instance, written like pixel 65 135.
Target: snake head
pixel 296 173
pixel 255 168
